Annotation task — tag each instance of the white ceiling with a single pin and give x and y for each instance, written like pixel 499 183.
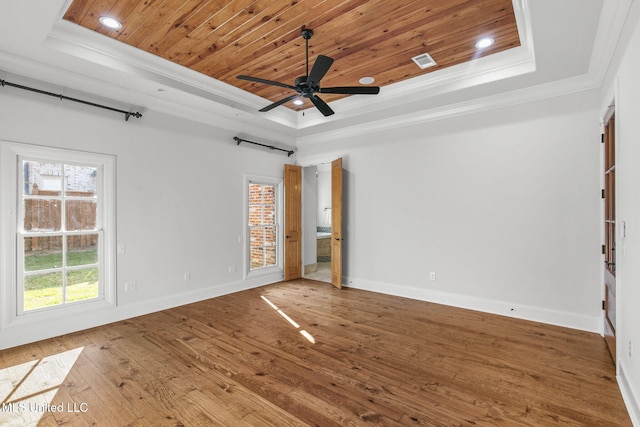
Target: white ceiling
pixel 566 46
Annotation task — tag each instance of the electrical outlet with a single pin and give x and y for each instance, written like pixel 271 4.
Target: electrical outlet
pixel 432 275
pixel 129 286
pixel 187 276
pixel 232 268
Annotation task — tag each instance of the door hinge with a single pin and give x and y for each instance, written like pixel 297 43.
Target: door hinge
pixel 603 305
pixel 602 192
pixel 602 138
pixel 603 250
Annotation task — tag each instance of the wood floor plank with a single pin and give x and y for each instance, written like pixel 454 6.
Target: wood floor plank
pixel 367 359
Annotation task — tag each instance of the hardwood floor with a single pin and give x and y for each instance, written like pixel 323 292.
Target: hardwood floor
pixel 366 359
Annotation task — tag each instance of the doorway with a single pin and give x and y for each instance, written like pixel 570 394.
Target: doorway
pixel 317 222
pixel 609 247
pixel 322 222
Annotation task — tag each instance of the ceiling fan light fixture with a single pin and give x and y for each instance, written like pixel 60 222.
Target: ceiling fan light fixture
pixel 298 101
pixel 110 22
pixel 484 43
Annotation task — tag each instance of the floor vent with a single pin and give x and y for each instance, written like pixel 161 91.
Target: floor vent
pixel 424 61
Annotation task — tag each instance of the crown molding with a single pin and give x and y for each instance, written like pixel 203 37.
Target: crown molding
pixel 155 73
pixel 516 97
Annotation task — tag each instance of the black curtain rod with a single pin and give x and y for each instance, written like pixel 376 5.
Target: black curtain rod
pixel 239 140
pixel 127 114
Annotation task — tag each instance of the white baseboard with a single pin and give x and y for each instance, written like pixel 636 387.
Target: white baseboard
pixel 504 308
pixel 26 333
pixel 629 395
pixel 21 333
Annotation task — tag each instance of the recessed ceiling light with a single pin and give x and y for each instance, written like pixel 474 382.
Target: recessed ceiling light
pixel 110 22
pixel 298 101
pixel 367 80
pixel 484 42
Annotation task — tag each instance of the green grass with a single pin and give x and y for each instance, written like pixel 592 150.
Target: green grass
pixel 45 290
pixel 47 297
pixel 54 260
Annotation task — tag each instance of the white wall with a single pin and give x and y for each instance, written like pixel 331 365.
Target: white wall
pixel 623 85
pixel 503 206
pixel 179 201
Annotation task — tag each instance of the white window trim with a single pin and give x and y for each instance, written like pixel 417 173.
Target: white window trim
pixel 276 182
pixel 10 152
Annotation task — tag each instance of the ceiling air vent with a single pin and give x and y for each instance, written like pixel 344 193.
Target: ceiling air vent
pixel 424 61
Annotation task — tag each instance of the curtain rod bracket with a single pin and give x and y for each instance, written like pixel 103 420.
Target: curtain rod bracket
pixel 271 147
pixel 127 115
pixel 62 97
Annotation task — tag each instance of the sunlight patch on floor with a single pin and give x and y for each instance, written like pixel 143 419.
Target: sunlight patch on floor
pixel 27 390
pixel 292 322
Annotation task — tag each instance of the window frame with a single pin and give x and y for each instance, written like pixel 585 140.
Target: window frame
pixel 11 156
pixel 248 273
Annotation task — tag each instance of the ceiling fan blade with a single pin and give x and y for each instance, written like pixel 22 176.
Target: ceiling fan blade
pixel 351 90
pixel 268 82
pixel 319 69
pixel 275 104
pixel 321 105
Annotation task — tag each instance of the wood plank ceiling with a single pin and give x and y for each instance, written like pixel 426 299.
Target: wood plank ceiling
pixel 261 38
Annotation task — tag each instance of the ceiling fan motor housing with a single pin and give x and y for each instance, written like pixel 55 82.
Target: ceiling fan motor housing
pixel 304 89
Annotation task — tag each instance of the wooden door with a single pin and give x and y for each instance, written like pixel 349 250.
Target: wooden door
pixel 292 222
pixel 610 233
pixel 336 223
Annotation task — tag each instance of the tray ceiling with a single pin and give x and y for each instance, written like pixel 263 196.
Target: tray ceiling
pixel 375 38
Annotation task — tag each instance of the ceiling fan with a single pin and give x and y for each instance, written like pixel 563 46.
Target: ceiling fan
pixel 307 86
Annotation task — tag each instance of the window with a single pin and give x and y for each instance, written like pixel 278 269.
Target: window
pixel 63 228
pixel 59 234
pixel 262 225
pixel 262 219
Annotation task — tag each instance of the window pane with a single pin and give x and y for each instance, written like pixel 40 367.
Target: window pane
pixel 42 253
pixel 255 193
pixel 270 256
pixel 42 178
pixel 257 236
pixel 269 236
pixel 80 181
pixel 42 290
pixel 82 250
pixel 82 284
pixel 257 258
pixel 80 214
pixel 269 214
pixel 269 194
pixel 255 214
pixel 42 215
